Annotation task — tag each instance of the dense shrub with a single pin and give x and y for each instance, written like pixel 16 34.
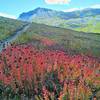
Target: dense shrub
pixel 26 72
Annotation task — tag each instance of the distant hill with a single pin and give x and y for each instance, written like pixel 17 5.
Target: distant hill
pixel 80 20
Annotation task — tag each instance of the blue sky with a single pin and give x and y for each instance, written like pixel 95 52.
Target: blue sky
pixel 15 7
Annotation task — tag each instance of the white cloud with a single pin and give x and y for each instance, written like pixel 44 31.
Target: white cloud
pixel 96 6
pixel 7 15
pixel 57 1
pixel 73 9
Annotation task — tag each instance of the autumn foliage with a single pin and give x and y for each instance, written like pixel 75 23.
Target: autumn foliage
pixel 47 74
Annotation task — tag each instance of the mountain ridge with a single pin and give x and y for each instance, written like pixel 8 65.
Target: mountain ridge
pixel 45 12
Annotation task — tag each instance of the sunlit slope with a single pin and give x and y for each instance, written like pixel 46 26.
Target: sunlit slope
pixel 87 24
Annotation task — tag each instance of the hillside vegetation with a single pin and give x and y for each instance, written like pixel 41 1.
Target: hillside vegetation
pixel 49 37
pixel 61 38
pixel 8 26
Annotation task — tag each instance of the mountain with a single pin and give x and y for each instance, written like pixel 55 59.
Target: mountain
pixel 80 20
pixel 48 13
